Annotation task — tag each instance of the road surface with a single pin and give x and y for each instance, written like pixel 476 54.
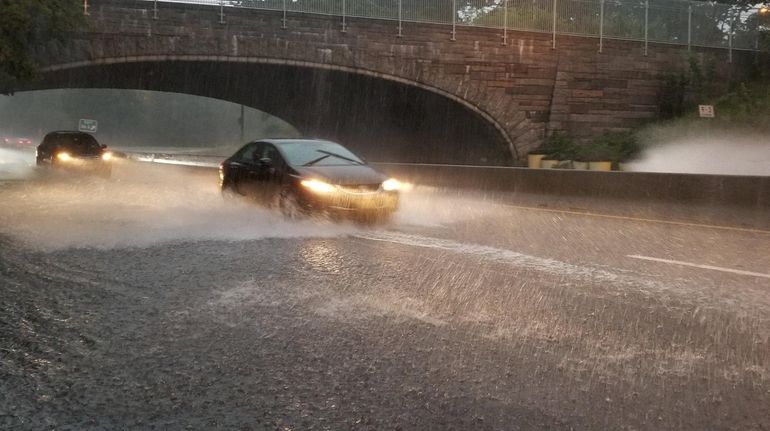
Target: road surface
pixel 147 302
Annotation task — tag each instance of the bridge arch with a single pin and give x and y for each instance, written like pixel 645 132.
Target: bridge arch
pixel 243 80
pixel 95 72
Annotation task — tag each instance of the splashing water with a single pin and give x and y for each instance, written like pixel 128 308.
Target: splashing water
pixel 718 153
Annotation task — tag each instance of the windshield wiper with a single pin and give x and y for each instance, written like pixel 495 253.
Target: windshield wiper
pixel 327 154
pixel 339 156
pixel 314 161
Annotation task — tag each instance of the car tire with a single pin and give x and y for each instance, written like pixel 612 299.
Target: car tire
pixel 228 191
pixel 290 206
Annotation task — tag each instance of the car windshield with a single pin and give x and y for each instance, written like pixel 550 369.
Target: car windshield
pixel 79 144
pixel 318 154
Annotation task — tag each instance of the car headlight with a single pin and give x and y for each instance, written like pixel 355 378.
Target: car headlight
pixel 107 156
pixel 317 186
pixel 391 185
pixel 64 156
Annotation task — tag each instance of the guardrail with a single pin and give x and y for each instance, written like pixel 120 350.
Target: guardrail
pixel 694 24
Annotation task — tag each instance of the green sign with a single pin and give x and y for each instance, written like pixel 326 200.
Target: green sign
pixel 86 125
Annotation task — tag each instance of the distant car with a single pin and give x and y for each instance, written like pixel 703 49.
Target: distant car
pixel 17 143
pixel 74 151
pixel 24 144
pixel 305 176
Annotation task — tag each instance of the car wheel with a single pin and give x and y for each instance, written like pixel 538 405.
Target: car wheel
pixel 290 206
pixel 228 191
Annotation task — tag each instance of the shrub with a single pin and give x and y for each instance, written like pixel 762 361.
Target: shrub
pixel 613 146
pixel 557 147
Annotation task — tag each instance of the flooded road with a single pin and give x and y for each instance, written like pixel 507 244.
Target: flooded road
pixel 148 302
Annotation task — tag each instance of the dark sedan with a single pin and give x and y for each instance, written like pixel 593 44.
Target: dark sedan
pixel 303 176
pixel 74 151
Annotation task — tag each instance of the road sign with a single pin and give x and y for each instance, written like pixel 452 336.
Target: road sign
pixel 706 111
pixel 87 125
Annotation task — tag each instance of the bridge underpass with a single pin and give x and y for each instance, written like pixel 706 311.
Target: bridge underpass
pixel 384 120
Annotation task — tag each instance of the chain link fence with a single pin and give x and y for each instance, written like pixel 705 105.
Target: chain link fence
pixel 700 24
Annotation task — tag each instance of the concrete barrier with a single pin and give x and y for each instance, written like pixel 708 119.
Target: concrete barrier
pixel 714 199
pixel 738 201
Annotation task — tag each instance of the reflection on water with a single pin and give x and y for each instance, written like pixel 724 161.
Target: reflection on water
pixel 323 256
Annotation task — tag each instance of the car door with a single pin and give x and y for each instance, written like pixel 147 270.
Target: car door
pixel 272 172
pixel 254 173
pixel 265 171
pixel 240 166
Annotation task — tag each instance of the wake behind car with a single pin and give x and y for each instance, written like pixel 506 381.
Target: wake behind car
pixel 74 151
pixel 301 176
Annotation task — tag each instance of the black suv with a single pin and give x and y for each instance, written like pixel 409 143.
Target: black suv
pixel 303 175
pixel 74 151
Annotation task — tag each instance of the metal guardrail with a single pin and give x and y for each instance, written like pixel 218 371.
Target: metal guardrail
pixel 691 24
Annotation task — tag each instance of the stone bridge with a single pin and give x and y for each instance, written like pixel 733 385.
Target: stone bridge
pixel 451 98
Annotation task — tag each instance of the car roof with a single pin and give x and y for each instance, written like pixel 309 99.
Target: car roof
pixel 284 141
pixel 68 132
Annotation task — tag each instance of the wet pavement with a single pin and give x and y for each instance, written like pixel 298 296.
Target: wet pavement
pixel 148 302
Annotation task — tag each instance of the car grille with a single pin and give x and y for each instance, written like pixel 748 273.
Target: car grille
pixel 360 189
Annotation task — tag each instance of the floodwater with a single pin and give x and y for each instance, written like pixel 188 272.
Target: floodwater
pixel 148 301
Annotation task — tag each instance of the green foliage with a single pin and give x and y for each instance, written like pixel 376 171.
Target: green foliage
pixel 613 146
pixel 557 147
pixel 682 92
pixel 27 26
pixel 748 105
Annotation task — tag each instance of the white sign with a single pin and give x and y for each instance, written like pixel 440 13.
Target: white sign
pixel 87 125
pixel 706 111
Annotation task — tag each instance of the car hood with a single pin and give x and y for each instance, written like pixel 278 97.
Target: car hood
pixel 342 175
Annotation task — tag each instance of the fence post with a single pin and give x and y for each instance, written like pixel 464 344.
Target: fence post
pixel 221 11
pixel 344 24
pixel 730 36
pixel 283 21
pixel 756 33
pixel 155 9
pixel 601 26
pixel 454 19
pixel 400 6
pixel 646 26
pixel 553 32
pixel 505 23
pixel 689 27
pixel 85 8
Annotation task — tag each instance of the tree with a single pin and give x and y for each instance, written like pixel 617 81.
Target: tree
pixel 26 28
